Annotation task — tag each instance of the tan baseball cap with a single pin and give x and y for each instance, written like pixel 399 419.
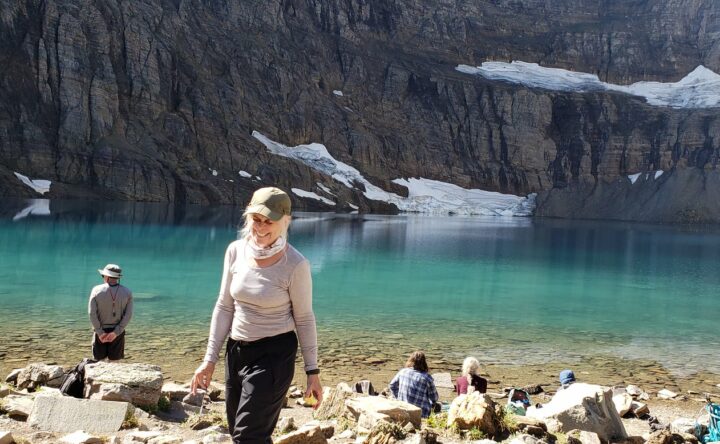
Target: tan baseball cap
pixel 271 202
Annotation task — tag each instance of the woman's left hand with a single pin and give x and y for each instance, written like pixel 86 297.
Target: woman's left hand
pixel 314 388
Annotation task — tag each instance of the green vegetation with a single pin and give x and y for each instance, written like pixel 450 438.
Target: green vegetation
pixel 389 429
pixel 475 434
pixel 508 421
pixel 560 438
pixel 131 421
pixel 199 422
pixel 164 404
pixel 437 421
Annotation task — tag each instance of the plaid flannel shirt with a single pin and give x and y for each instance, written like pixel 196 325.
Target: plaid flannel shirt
pixel 416 388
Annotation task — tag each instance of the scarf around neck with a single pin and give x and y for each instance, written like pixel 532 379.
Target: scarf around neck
pixel 258 252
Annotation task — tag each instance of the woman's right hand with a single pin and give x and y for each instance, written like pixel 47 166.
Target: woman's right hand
pixel 202 377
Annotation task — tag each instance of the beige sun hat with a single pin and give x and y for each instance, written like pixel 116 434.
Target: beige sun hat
pixel 271 202
pixel 111 270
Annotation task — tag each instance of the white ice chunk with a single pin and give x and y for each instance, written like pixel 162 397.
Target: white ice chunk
pixel 311 195
pixel 35 207
pixel 214 172
pixel 244 174
pixel 324 188
pixel 337 92
pixel 425 196
pixel 39 185
pixel 634 177
pixel 658 173
pixel 699 89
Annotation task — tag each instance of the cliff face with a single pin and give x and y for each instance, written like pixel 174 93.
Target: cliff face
pixel 156 100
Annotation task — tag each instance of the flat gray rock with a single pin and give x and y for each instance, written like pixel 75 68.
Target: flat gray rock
pixel 443 380
pixel 68 414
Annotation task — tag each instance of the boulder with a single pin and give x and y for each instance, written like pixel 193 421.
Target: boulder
pixel 220 438
pixel 623 403
pixel 370 420
pixel 665 437
pixel 304 435
pixel 397 411
pixel 175 391
pixel 18 406
pixel 216 391
pixel 333 405
pixel 476 410
pixel 527 424
pixel 68 414
pixel 285 425
pixel 631 440
pixel 11 378
pixel 37 374
pixel 139 384
pixel 585 407
pixel 6 437
pixel 165 440
pixel 196 399
pixel 80 437
pixel 582 437
pixel 640 409
pixel 683 425
pixel 141 436
pixel 634 390
pixel 385 433
pixel 526 439
pixel 666 394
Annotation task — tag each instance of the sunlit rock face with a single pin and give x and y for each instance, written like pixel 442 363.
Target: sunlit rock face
pixel 158 100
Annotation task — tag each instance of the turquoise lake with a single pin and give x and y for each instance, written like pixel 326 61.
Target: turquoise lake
pixel 508 290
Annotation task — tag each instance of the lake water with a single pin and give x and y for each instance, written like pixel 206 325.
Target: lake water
pixel 507 290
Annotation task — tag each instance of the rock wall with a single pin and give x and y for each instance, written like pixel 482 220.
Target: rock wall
pixel 156 100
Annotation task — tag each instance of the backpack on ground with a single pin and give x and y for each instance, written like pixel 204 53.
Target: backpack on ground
pixel 73 383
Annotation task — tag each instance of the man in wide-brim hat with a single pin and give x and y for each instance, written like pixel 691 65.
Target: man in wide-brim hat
pixel 110 309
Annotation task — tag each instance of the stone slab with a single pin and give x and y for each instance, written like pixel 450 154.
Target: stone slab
pixel 443 380
pixel 68 414
pixel 6 438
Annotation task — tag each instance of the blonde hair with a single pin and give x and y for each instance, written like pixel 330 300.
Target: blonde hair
pixel 470 366
pixel 247 225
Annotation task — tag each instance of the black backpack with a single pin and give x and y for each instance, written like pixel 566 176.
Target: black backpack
pixel 73 383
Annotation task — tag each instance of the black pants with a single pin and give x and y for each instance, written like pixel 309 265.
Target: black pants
pixel 257 378
pixel 114 350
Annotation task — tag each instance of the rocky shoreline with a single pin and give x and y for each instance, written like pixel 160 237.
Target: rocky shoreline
pixel 171 415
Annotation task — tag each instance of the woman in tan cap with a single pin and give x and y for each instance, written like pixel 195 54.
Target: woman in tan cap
pixel 265 298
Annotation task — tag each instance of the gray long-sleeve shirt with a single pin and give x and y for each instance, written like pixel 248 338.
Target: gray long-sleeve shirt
pixel 255 303
pixel 106 313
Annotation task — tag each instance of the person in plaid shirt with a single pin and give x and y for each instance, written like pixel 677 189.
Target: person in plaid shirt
pixel 414 385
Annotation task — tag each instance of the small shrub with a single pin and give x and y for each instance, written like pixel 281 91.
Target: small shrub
pixel 508 422
pixel 164 404
pixel 199 422
pixel 437 421
pixel 560 438
pixel 388 429
pixel 475 434
pixel 131 421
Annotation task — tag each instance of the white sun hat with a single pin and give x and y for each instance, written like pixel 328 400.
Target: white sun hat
pixel 111 270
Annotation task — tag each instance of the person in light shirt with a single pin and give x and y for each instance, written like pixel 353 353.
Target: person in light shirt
pixel 110 308
pixel 265 307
